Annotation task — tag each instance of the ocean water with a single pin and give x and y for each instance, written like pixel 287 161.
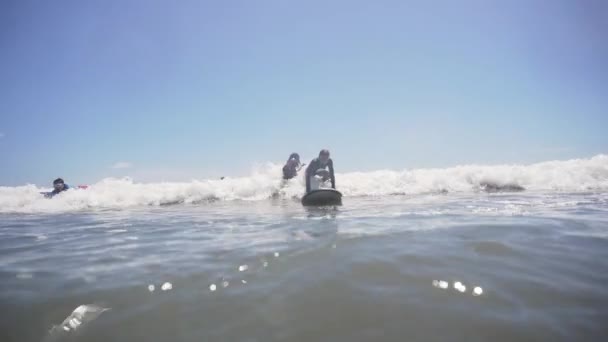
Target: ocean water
pixel 470 253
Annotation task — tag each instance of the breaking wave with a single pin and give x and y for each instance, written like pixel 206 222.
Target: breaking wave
pixel 567 176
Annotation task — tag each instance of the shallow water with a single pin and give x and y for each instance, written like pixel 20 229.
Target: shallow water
pixel 364 271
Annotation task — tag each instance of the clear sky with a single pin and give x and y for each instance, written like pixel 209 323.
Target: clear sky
pixel 175 90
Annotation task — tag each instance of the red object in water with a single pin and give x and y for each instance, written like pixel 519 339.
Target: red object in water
pixel 83 186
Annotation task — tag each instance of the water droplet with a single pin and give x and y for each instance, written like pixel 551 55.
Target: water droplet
pixel 276 254
pixel 212 287
pixel 151 288
pixel 74 323
pixel 225 284
pixel 244 281
pixel 462 289
pixel 243 268
pixel 436 283
pixel 457 285
pixel 477 291
pixel 166 286
pixel 265 263
pixel 81 315
pixel 443 284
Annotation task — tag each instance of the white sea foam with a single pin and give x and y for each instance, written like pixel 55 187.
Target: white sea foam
pixel 264 183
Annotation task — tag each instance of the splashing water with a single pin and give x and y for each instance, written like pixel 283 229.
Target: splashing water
pixel 264 183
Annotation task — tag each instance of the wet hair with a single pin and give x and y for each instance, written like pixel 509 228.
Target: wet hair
pixel 58 181
pixel 294 156
pixel 324 152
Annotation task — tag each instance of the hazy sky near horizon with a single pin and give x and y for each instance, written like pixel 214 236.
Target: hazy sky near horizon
pixel 174 90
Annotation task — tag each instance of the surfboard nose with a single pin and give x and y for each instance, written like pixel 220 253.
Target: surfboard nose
pixel 322 197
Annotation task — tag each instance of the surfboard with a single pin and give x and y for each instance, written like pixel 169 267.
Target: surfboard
pixel 322 197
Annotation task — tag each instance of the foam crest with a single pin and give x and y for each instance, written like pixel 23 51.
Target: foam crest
pixel 265 182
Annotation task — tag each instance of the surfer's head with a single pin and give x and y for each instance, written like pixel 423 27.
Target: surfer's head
pixel 58 184
pixel 324 156
pixel 294 156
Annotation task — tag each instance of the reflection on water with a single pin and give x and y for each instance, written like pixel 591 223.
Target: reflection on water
pixel 485 267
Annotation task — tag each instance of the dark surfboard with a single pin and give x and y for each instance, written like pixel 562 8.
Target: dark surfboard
pixel 322 197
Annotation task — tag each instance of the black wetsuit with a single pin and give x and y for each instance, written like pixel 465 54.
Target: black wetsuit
pixel 55 191
pixel 290 169
pixel 314 165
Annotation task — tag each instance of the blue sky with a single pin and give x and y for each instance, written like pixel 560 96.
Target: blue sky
pixel 192 89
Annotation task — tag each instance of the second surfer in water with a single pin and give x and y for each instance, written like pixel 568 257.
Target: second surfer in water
pixel 292 166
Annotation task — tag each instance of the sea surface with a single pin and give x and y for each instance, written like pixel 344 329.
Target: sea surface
pixel 502 262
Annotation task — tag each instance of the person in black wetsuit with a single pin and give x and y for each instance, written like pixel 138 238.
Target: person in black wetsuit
pixel 323 162
pixel 58 186
pixel 292 166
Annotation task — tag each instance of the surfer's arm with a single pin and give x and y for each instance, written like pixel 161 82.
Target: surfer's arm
pixel 331 174
pixel 307 175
